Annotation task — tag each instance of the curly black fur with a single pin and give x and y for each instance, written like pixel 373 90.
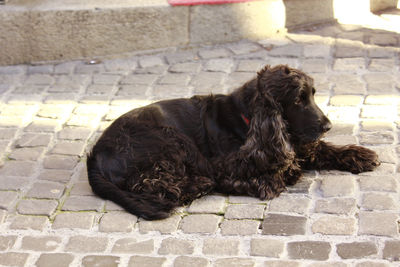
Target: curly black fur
pixel 253 142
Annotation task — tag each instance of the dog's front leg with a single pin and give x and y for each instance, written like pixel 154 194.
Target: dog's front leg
pixel 324 156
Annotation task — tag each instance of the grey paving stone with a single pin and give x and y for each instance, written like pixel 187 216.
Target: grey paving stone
pixel 311 250
pixel 208 204
pixel 286 225
pixel 347 84
pixel 55 175
pixel 205 82
pixel 18 168
pixel 30 89
pixel 384 183
pixel 378 223
pixel 7 242
pixel 54 259
pixel 62 162
pixel 7 134
pixel 84 68
pixel 245 200
pixel 26 153
pixel 246 211
pixel 13 259
pixel 391 250
pixel 314 65
pixel 301 187
pixel 383 39
pixel 42 243
pixel 46 190
pixel 8 199
pixel 81 189
pixel 167 91
pixel 82 243
pixel 152 70
pixel 349 64
pixel 65 67
pixel 100 261
pixel 328 264
pixel 334 186
pixel 37 207
pixel 200 223
pixel 138 90
pixel 335 205
pixel 117 222
pixel 244 48
pixel 382 64
pixel 183 261
pixel 74 220
pixel 378 201
pixel 100 89
pixel 356 250
pixel 120 65
pixel 150 61
pixel 39 79
pixel 33 140
pixel 376 138
pixel 317 51
pixel 334 225
pixel 281 263
pixel 186 67
pixel 104 78
pixel 381 52
pixel 290 203
pixel 181 56
pixel 239 227
pixel 146 79
pixel 218 246
pixel 290 50
pixel 349 49
pixel 214 53
pixel 165 226
pixel 3 215
pixel 74 133
pixel 68 148
pixel 250 65
pixel 176 246
pixel 43 125
pixel 81 203
pixel 132 246
pixel 143 261
pixel 239 262
pixel 266 247
pixel 24 222
pixel 219 65
pixel 180 79
pixel 372 264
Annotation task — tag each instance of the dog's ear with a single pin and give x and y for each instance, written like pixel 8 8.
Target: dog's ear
pixel 267 142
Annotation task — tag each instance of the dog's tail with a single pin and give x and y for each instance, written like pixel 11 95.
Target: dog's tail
pixel 104 185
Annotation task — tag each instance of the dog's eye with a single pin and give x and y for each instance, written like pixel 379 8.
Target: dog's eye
pixel 302 98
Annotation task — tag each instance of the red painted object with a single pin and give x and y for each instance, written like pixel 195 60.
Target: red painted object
pixel 204 2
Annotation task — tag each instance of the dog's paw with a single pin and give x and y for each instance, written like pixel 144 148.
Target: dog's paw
pixel 360 159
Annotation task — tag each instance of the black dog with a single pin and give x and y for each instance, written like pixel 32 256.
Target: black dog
pixel 252 142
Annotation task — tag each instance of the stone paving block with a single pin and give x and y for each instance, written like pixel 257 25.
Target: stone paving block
pixel 180 79
pixel 378 201
pixel 204 81
pixel 54 111
pixel 328 264
pixel 84 68
pixel 375 126
pixel 208 204
pixel 42 243
pixel 46 190
pixel 391 250
pixel 97 261
pixel 356 250
pixel 176 246
pixel 245 200
pixel 26 153
pixel 347 84
pixel 11 121
pixel 167 91
pixel 378 223
pixel 7 242
pixel 334 225
pixel 74 220
pixel 239 227
pixel 33 140
pixel 54 259
pixel 80 203
pixel 382 64
pixel 55 175
pixel 82 243
pixel 90 121
pixel 346 50
pixel 246 211
pixel 281 263
pixel 39 79
pixel 183 261
pixel 376 138
pixel 349 64
pixel 18 168
pixel 37 207
pixel 309 250
pixel 68 148
pixel 290 203
pixel 112 206
pixel 384 183
pixel 81 189
pixel 336 205
pixel 165 226
pixel 383 39
pixel 24 222
pixel 43 125
pixel 200 223
pixel 317 51
pixel 186 67
pixel 182 56
pixel 372 264
pixel 117 222
pixel 266 247
pixel 150 61
pixel 345 100
pixel 7 134
pixel 218 246
pixel 146 79
pixel 219 65
pixel 132 246
pixel 250 65
pixel 239 262
pixel 161 69
pixel 3 215
pixel 74 133
pixel 214 53
pixel 62 162
pixel 99 89
pixel 30 89
pixel 301 187
pixel 8 199
pixel 143 261
pixel 290 50
pixel 335 186
pixel 137 90
pixel 120 65
pixel 13 259
pixel 286 225
pixel 109 79
pixel 314 65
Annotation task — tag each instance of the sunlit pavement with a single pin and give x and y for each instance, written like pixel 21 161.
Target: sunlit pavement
pixel 52 114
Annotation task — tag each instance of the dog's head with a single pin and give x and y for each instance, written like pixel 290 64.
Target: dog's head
pixel 293 91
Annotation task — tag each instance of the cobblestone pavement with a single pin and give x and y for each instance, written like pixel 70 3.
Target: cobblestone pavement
pixel 52 114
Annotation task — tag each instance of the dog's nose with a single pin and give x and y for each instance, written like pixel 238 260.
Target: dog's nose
pixel 326 126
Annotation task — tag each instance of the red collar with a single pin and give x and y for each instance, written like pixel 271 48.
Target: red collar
pixel 245 119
